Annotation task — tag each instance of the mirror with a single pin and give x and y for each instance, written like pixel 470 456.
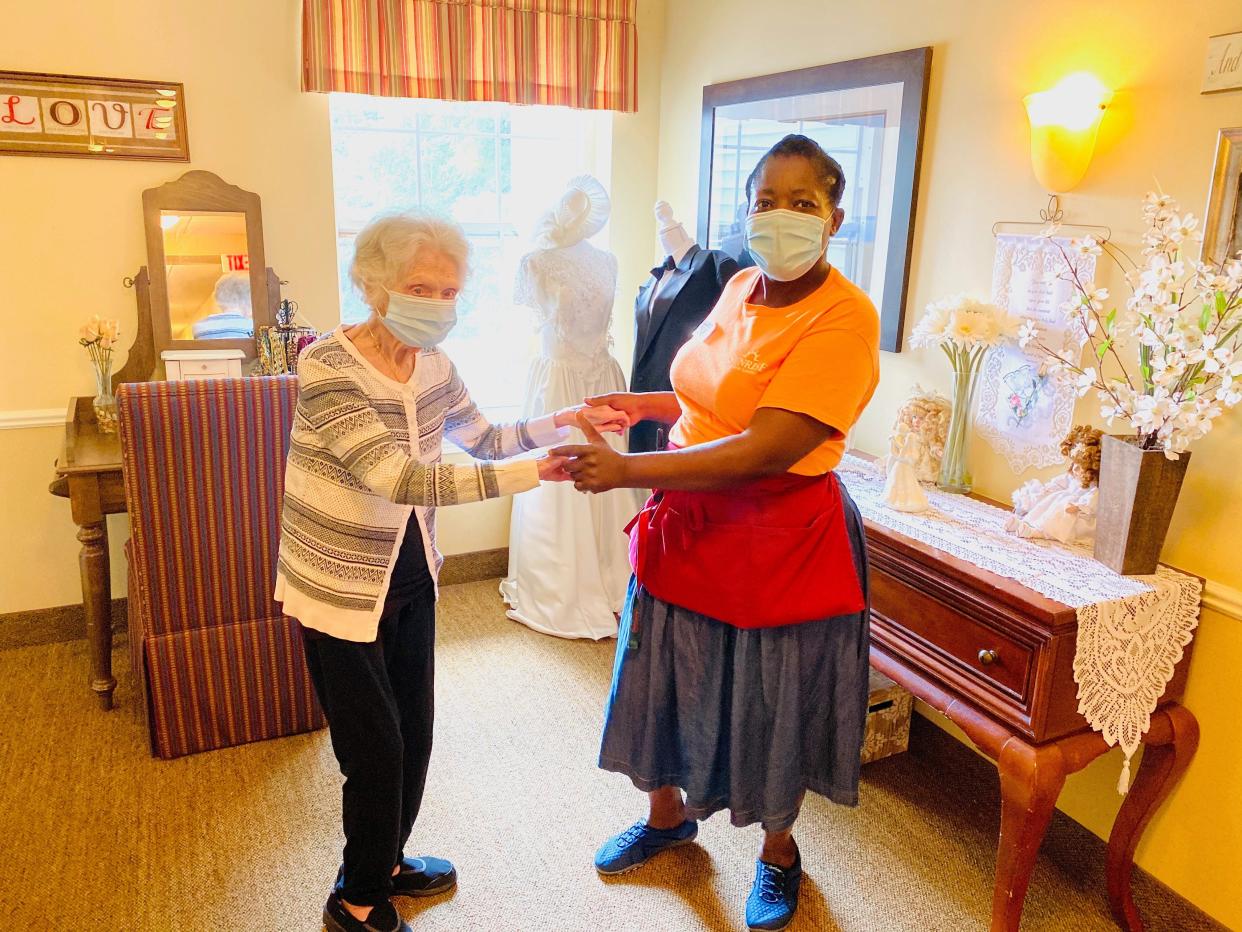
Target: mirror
pixel 210 287
pixel 206 284
pixel 207 268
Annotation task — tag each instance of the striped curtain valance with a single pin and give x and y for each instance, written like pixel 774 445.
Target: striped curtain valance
pixel 573 53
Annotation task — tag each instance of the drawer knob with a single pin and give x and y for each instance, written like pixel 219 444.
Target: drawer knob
pixel 988 657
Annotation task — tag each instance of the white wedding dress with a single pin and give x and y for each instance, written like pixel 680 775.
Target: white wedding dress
pixel 568 555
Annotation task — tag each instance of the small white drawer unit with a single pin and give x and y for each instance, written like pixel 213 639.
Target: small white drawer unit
pixel 186 365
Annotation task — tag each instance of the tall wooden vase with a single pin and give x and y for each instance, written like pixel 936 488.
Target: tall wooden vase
pixel 1138 492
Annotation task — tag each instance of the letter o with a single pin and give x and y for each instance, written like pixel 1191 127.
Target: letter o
pixel 54 112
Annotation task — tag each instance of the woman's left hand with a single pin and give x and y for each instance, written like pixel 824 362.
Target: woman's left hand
pixel 552 469
pixel 594 466
pixel 602 417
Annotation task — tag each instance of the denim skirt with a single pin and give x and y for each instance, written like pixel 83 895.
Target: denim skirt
pixel 741 719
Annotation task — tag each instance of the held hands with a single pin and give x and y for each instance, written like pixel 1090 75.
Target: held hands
pixel 593 466
pixel 600 415
pixel 630 404
pixel 552 469
pixel 594 416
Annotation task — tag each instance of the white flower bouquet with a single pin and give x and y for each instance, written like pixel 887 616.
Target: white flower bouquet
pixel 1184 316
pixel 965 328
pixel 99 336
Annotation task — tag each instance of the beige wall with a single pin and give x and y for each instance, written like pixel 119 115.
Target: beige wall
pixel 976 170
pixel 70 229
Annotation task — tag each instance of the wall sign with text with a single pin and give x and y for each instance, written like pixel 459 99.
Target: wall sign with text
pixel 1224 64
pixel 52 114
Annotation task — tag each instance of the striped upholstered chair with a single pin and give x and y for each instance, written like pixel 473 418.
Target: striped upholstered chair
pixel 204 466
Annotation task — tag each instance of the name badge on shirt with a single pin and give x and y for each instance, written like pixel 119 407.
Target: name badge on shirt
pixel 703 330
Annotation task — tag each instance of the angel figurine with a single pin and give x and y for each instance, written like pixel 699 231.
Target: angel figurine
pixel 924 421
pixel 902 491
pixel 1063 509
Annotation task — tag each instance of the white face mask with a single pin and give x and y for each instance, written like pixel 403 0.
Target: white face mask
pixel 786 243
pixel 421 322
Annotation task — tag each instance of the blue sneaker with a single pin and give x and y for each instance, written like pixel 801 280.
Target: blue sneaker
pixel 774 897
pixel 638 843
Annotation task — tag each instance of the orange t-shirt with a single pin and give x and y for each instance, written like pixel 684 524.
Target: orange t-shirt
pixel 819 357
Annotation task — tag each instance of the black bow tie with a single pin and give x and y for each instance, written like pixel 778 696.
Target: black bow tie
pixel 666 266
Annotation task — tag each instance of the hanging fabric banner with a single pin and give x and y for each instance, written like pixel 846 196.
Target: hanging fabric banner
pixel 1023 413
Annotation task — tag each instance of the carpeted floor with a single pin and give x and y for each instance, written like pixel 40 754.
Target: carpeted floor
pixel 98 835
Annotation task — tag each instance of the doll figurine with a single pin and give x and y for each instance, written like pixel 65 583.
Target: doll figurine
pixel 1063 509
pixel 924 421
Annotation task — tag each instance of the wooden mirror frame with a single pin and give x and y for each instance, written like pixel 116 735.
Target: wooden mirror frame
pixel 197 191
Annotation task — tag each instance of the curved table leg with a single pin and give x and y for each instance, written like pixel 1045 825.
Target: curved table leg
pixel 97 602
pixel 1164 762
pixel 1031 779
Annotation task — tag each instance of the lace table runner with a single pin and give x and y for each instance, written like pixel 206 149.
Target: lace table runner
pixel 1132 630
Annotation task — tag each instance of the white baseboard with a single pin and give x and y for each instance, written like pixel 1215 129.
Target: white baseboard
pixel 1223 599
pixel 34 417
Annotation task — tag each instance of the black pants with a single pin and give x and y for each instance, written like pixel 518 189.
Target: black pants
pixel 378 699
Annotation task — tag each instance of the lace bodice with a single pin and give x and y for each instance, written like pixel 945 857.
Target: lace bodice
pixel 571 291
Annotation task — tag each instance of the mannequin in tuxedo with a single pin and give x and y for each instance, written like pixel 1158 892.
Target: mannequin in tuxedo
pixel 670 305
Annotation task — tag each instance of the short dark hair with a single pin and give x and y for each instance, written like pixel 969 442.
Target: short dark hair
pixel 827 168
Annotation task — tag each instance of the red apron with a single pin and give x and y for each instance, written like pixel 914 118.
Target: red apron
pixel 772 552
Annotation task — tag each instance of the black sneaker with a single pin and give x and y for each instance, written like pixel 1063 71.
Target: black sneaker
pixel 424 877
pixel 383 918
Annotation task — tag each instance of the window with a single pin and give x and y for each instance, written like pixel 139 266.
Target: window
pixel 494 168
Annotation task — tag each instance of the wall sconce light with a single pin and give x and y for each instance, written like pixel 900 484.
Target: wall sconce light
pixel 1065 121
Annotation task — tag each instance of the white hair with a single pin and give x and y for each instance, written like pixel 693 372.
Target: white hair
pixel 387 245
pixel 232 293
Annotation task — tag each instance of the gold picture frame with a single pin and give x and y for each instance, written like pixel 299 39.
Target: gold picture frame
pixel 85 117
pixel 1222 234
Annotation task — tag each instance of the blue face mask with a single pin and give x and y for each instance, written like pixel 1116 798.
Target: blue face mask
pixel 421 322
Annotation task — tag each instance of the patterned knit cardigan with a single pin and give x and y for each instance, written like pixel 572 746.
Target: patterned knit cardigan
pixel 353 479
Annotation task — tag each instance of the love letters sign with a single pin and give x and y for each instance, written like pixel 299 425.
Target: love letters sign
pixel 53 114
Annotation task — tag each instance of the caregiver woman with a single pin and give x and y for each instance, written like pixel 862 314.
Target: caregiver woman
pixel 358 563
pixel 741 672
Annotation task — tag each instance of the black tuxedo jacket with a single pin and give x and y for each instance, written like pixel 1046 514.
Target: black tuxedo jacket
pixel 661 329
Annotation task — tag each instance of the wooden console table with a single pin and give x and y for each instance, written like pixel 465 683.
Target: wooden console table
pixel 997 658
pixel 88 473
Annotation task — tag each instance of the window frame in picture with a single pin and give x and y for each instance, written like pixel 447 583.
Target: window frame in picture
pixel 1222 226
pixel 911 70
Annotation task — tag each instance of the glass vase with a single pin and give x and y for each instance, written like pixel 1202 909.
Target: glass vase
pixel 104 402
pixel 954 469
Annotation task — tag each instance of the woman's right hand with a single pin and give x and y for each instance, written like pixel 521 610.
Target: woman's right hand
pixel 631 403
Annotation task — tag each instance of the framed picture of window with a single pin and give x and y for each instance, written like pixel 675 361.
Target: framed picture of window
pixel 868 114
pixel 1222 232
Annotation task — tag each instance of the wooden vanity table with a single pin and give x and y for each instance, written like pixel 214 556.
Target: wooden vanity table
pixel 88 473
pixel 997 659
pixel 198 227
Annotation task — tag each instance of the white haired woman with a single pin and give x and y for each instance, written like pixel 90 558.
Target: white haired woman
pixel 233 318
pixel 357 564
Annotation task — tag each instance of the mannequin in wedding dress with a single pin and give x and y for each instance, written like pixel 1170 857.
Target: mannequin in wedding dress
pixel 568 554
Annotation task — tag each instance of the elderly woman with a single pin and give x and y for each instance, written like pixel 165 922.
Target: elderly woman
pixel 741 672
pixel 233 318
pixel 358 563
